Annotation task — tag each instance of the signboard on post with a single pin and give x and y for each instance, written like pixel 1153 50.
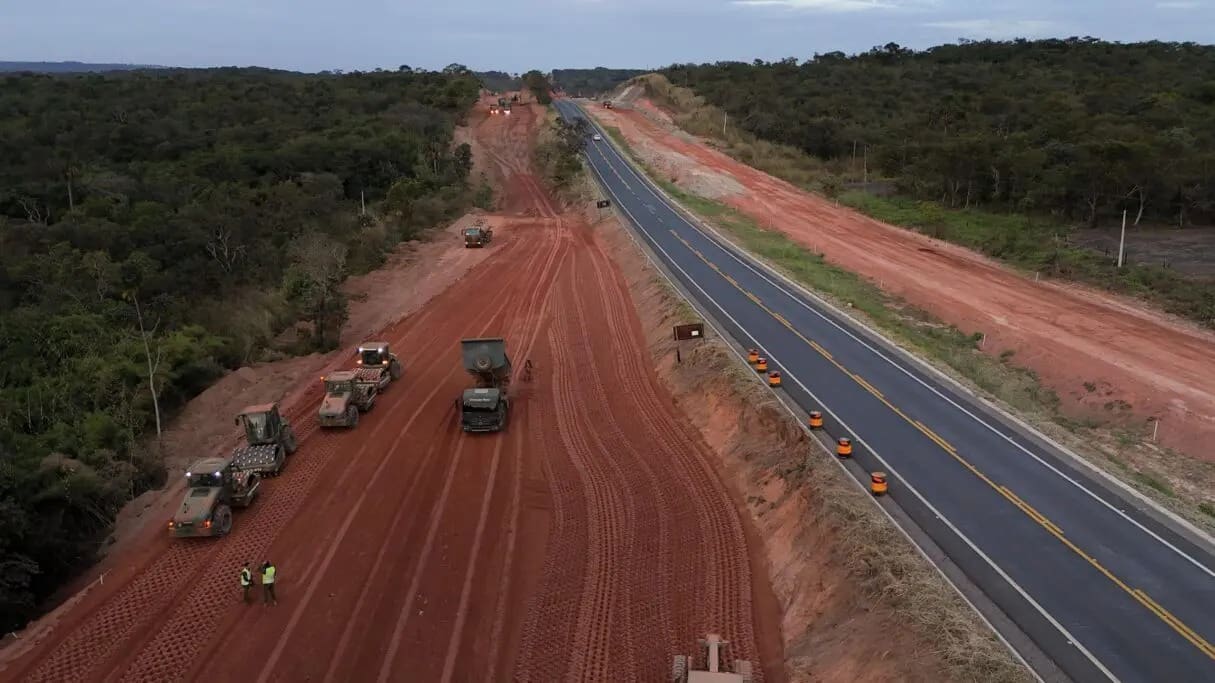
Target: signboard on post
pixel 603 203
pixel 692 331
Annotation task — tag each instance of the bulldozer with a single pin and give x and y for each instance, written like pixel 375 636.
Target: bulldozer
pixel 478 235
pixel 213 487
pixel 682 672
pixel 269 440
pixel 345 397
pixel 378 365
pixel 483 408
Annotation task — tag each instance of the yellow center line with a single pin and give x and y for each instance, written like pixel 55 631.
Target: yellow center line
pixel 1042 521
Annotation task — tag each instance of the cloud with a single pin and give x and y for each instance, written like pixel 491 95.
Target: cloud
pixel 996 28
pixel 824 5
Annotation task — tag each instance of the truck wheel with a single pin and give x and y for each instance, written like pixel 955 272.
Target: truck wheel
pixel 395 370
pixel 679 669
pixel 352 416
pixel 289 443
pixel 222 519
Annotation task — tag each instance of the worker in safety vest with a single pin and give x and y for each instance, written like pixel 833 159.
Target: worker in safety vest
pixel 246 581
pixel 268 572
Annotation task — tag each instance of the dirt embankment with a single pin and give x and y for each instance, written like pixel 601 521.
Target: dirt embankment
pixel 858 602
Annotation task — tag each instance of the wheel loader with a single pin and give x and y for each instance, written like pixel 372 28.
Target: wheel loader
pixel 213 487
pixel 712 644
pixel 269 439
pixel 345 397
pixel 378 364
pixel 483 408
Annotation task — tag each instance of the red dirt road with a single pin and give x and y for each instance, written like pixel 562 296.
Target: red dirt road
pixel 589 541
pixel 1069 335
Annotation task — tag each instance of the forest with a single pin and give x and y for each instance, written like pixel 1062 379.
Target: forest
pixel 1079 128
pixel 160 228
pixel 591 81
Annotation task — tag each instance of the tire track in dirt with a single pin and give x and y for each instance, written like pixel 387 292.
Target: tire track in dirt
pixel 724 538
pixel 432 579
pixel 490 315
pixel 182 632
pixel 158 590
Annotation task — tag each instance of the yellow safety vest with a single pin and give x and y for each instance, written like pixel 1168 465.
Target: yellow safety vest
pixel 268 575
pixel 246 577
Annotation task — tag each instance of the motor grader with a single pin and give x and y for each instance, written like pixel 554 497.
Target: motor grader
pixel 377 364
pixel 712 644
pixel 213 487
pixel 269 439
pixel 346 395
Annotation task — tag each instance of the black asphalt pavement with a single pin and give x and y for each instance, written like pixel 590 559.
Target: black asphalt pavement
pixel 1106 591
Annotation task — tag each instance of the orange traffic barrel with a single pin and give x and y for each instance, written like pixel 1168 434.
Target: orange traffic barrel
pixel 761 365
pixel 753 356
pixel 843 447
pixel 816 420
pixel 877 483
pixel 774 379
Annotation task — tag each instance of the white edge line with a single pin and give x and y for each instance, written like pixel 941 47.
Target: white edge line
pixel 848 475
pixel 1187 525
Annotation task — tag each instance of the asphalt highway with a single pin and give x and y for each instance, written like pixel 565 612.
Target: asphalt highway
pixel 1104 590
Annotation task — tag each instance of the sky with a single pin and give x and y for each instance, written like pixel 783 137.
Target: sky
pixel 518 35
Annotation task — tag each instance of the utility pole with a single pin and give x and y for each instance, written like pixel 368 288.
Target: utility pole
pixel 724 116
pixel 1122 240
pixel 362 204
pixel 866 165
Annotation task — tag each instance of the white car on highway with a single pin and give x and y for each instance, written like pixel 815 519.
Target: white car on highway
pixel 596 137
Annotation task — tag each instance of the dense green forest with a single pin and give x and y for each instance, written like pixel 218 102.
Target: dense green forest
pixel 1078 128
pixel 159 228
pixel 591 81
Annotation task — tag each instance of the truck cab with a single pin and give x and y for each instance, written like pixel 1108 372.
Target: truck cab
pixel 483 409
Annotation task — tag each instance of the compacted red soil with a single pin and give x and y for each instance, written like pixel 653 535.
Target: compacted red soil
pixel 591 540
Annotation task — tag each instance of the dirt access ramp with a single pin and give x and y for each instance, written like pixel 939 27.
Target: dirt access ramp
pixel 408 549
pixel 1092 348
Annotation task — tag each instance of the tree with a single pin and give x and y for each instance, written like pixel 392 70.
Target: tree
pixel 318 266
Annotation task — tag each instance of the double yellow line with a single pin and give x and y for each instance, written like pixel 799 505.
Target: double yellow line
pixel 1140 596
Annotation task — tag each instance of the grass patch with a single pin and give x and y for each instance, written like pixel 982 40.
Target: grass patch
pixel 1207 509
pixel 1151 480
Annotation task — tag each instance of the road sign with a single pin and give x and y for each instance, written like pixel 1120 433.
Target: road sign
pixel 603 203
pixel 692 331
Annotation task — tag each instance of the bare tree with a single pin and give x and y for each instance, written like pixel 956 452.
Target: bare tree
pixel 223 248
pixel 147 335
pixel 32 211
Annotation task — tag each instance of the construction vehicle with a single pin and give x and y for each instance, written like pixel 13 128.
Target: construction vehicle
pixel 346 395
pixel 502 103
pixel 478 235
pixel 682 672
pixel 607 104
pixel 269 440
pixel 213 487
pixel 483 408
pixel 493 109
pixel 506 109
pixel 378 365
